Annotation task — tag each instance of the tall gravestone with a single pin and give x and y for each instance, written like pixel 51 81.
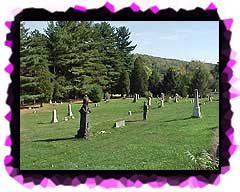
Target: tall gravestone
pixel 161 102
pixel 83 131
pixel 196 108
pixel 149 99
pixel 162 96
pixel 135 98
pixel 54 116
pixel 145 110
pixel 176 98
pixel 50 102
pixel 70 114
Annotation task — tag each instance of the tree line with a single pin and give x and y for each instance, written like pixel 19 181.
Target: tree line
pixel 73 58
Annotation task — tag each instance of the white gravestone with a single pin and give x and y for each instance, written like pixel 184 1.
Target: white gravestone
pixel 161 102
pixel 50 102
pixel 54 116
pixel 196 108
pixel 176 98
pixel 129 113
pixel 70 114
pixel 120 124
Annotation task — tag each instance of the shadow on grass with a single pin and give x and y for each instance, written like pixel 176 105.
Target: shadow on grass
pixel 213 128
pixel 56 139
pixel 132 121
pixel 182 119
pixel 41 123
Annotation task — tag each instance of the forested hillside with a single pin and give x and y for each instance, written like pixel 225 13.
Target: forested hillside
pixel 162 64
pixel 73 58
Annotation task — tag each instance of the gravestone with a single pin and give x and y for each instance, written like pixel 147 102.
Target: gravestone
pixel 196 108
pixel 119 124
pixel 83 131
pixel 54 116
pixel 129 113
pixel 161 102
pixel 145 110
pixel 96 104
pixel 162 96
pixel 65 119
pixel 70 114
pixel 176 98
pixel 61 102
pixel 50 102
pixel 210 98
pixel 138 96
pixel 135 98
pixel 149 99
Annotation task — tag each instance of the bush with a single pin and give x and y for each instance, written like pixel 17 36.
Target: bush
pixel 96 93
pixel 203 160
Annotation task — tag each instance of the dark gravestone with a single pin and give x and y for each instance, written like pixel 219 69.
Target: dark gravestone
pixel 145 110
pixel 83 131
pixel 135 98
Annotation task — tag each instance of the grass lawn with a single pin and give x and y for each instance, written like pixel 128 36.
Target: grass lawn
pixel 159 143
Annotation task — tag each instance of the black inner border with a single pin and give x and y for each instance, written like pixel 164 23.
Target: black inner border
pixel 173 177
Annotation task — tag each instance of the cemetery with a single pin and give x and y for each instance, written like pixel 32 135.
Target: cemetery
pixel 88 103
pixel 160 142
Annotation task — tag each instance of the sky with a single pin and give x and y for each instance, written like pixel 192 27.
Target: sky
pixel 184 40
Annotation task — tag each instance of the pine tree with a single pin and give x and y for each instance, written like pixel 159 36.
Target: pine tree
pixel 124 83
pixel 35 76
pixel 170 81
pixel 123 44
pixel 139 81
pixel 200 81
pixel 154 81
pixel 109 56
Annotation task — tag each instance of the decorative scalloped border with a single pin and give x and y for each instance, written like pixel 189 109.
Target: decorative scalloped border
pixel 135 180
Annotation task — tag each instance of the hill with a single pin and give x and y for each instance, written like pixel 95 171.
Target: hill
pixel 162 64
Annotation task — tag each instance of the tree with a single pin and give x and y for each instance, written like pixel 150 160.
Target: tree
pixel 139 81
pixel 171 81
pixel 95 94
pixel 184 84
pixel 35 76
pixel 124 83
pixel 109 55
pixel 200 81
pixel 153 84
pixel 124 46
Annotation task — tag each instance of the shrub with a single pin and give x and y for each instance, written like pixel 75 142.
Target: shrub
pixel 203 160
pixel 96 93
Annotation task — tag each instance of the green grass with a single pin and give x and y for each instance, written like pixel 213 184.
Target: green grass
pixel 159 143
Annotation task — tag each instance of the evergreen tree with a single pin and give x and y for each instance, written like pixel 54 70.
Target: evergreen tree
pixel 109 56
pixel 124 45
pixel 25 79
pixel 200 81
pixel 35 76
pixel 170 81
pixel 139 82
pixel 154 81
pixel 124 83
